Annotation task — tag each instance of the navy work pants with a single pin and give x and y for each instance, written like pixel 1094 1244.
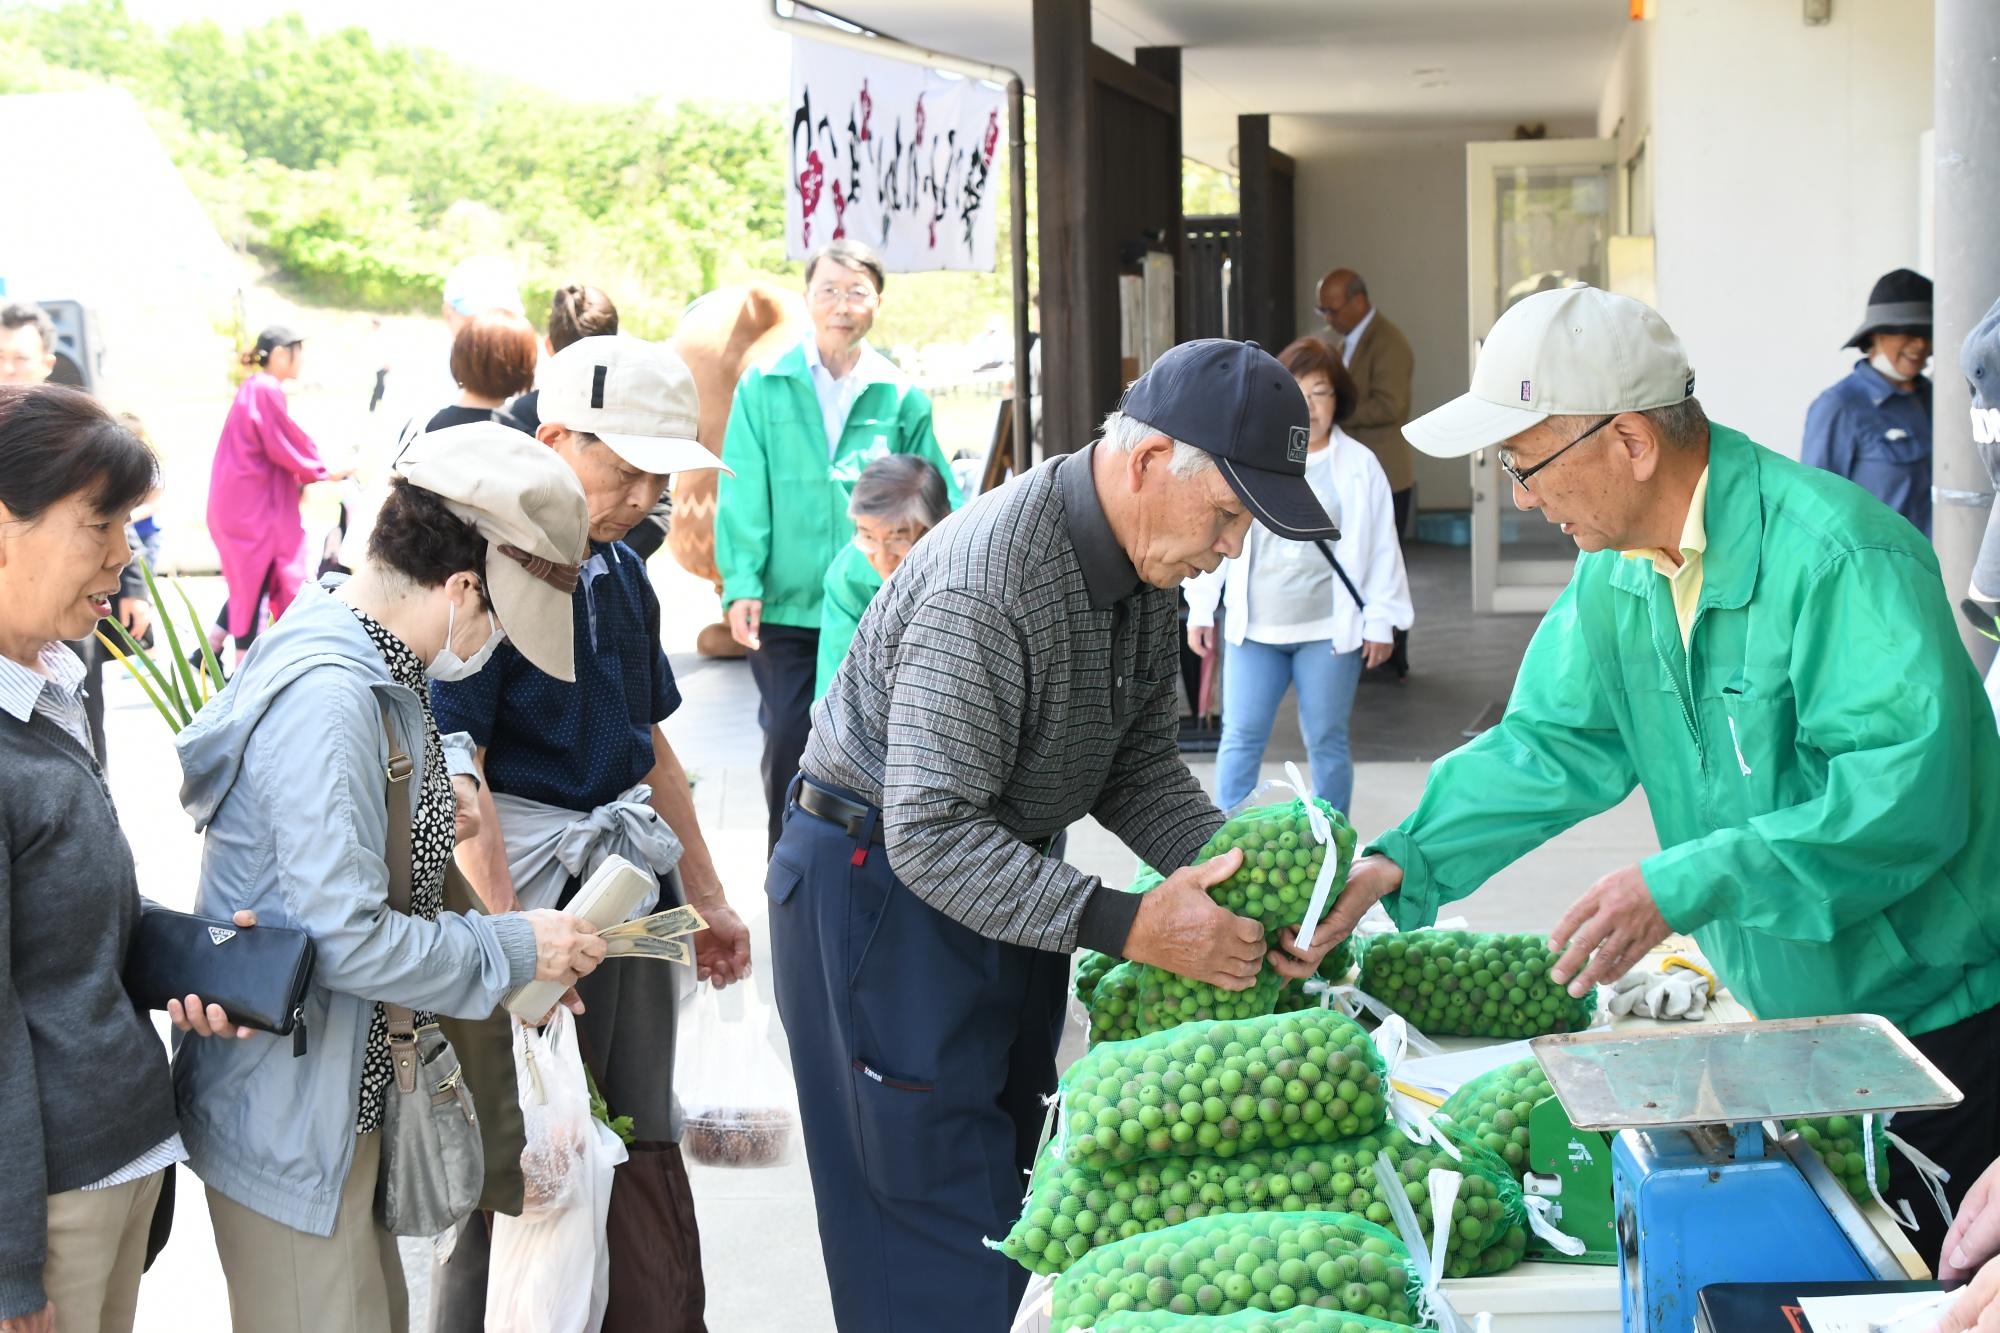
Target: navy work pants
pixel 922 1051
pixel 785 669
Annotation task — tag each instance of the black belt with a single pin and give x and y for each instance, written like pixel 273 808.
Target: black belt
pixel 850 815
pixel 853 816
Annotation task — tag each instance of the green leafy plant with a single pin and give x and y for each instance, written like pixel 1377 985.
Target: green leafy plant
pixel 601 1110
pixel 179 689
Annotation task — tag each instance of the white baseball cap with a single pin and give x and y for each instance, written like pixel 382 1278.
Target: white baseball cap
pixel 1573 351
pixel 636 396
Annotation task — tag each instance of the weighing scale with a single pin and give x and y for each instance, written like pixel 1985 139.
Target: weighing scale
pixel 1701 1193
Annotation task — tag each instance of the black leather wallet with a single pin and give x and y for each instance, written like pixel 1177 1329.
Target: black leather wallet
pixel 259 976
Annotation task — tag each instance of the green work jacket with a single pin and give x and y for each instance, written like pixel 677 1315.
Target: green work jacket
pixel 782 518
pixel 1821 761
pixel 851 583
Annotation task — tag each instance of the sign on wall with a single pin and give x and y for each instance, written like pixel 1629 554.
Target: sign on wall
pixel 893 154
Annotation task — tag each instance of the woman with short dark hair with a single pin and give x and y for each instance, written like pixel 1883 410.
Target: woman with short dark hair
pixel 290 772
pixel 492 360
pixel 87 1124
pixel 1307 614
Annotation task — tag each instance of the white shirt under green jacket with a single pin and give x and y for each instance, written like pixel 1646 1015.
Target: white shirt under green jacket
pixel 782 518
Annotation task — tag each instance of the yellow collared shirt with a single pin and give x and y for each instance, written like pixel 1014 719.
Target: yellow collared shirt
pixel 1685 578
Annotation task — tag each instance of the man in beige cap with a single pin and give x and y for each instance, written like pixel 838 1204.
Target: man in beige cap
pixel 572 773
pixel 1768 651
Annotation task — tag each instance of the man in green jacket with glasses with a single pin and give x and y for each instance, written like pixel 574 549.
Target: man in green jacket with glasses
pixel 801 430
pixel 1769 652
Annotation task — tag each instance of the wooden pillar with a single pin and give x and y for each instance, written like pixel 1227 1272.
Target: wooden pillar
pixel 1265 270
pixel 1164 62
pixel 1064 137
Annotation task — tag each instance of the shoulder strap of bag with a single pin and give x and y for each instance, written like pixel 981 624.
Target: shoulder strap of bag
pixel 1340 573
pixel 400 774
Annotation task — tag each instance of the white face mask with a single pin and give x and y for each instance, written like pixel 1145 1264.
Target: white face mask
pixel 448 665
pixel 1887 369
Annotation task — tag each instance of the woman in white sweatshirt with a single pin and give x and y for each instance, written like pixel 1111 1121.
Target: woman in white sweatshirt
pixel 1310 614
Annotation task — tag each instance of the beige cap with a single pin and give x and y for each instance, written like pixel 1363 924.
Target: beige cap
pixel 636 396
pixel 1573 351
pixel 530 508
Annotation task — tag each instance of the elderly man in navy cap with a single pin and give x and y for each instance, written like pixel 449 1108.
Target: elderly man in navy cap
pixel 1016 675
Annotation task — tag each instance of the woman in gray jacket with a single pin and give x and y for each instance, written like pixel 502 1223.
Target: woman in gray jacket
pixel 286 772
pixel 87 1129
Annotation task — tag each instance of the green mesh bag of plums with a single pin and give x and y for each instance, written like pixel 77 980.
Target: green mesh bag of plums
pixel 1285 850
pixel 1221 1088
pixel 1136 1000
pixel 1298 1319
pixel 1842 1144
pixel 1218 1089
pixel 1492 1110
pixel 1460 983
pixel 1073 1210
pixel 1282 859
pixel 1329 1262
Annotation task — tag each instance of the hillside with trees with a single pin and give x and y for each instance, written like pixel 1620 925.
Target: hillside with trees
pixel 360 172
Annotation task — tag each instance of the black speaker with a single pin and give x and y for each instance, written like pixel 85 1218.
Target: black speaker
pixel 79 353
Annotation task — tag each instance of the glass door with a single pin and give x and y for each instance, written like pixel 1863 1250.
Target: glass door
pixel 1540 214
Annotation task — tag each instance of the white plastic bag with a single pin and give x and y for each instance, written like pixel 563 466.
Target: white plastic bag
pixel 550 1268
pixel 734 1080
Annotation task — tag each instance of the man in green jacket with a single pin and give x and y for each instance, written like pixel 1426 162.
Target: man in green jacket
pixel 801 430
pixel 1769 652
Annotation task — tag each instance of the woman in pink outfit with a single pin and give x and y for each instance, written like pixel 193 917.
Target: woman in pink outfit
pixel 263 462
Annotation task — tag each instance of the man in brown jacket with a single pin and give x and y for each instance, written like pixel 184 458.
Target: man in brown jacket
pixel 1378 359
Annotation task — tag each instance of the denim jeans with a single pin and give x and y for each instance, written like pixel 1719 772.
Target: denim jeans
pixel 1254 679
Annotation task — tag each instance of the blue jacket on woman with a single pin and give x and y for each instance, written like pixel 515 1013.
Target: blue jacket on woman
pixel 1879 438
pixel 286 771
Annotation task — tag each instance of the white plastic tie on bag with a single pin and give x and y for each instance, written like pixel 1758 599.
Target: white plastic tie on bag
pixel 1394 1040
pixel 1928 1171
pixel 1541 1221
pixel 1907 1218
pixel 1329 864
pixel 1432 1305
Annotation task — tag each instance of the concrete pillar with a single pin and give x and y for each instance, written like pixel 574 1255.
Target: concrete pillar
pixel 1968 276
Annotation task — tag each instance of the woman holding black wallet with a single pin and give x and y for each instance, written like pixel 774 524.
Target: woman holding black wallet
pixel 87 1125
pixel 1307 614
pixel 293 772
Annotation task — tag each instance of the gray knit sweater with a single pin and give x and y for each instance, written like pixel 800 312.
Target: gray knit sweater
pixel 84 1087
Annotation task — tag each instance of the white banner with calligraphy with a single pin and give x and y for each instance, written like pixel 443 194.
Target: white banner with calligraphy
pixel 896 155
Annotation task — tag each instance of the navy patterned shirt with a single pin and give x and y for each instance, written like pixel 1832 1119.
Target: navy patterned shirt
pixel 575 746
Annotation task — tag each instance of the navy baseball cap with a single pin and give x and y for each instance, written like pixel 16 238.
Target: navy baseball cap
pixel 1235 401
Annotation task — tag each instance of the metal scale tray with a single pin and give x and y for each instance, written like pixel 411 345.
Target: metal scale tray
pixel 1737 1073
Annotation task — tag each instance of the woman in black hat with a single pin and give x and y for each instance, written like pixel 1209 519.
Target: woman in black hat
pixel 1874 426
pixel 263 462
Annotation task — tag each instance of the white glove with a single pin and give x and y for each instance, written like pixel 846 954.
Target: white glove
pixel 1677 992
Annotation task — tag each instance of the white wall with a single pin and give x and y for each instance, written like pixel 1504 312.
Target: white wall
pixel 1390 204
pixel 1785 162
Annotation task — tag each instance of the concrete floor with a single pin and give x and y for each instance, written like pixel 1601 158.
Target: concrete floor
pixel 757 1225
